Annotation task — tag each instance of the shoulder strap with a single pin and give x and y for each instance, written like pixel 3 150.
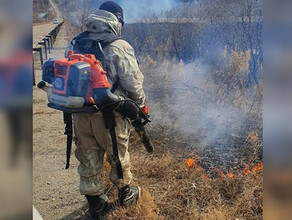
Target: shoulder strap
pixel 80 36
pixel 102 43
pixel 109 39
pixel 110 123
pixel 85 44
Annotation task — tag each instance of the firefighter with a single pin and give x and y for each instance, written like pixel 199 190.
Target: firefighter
pixel 92 138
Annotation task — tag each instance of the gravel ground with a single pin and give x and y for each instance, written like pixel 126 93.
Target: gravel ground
pixel 55 189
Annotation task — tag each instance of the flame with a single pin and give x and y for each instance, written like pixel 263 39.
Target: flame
pixel 230 175
pixel 246 171
pixel 193 160
pixel 256 168
pixel 221 174
pixel 190 163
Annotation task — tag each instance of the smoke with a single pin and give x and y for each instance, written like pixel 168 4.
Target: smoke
pixel 134 10
pixel 193 106
pixel 199 112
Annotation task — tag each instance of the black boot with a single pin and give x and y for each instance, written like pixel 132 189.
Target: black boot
pixel 97 206
pixel 129 195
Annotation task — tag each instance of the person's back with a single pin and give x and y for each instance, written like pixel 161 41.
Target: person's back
pixel 93 138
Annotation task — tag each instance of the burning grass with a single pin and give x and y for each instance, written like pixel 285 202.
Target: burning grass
pixel 210 109
pixel 180 189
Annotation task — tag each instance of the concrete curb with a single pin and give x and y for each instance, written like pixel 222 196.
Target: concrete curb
pixel 36 214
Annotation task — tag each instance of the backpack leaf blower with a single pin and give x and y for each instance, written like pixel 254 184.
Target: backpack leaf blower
pixel 78 84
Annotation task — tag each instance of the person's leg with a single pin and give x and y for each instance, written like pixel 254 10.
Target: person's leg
pixel 123 134
pixel 103 137
pixel 127 194
pixel 90 156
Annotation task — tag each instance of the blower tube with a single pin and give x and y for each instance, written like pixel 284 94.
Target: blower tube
pixel 104 99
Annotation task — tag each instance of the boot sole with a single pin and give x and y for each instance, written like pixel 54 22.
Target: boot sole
pixel 139 194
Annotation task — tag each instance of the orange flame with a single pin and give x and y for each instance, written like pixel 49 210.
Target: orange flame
pixel 246 171
pixel 194 163
pixel 190 163
pixel 230 175
pixel 221 174
pixel 256 168
pixel 193 160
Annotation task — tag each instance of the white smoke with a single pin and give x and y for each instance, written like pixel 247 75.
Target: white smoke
pixel 190 105
pixel 134 10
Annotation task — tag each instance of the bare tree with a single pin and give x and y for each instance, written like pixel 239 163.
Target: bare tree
pixel 239 24
pixel 81 10
pixel 76 11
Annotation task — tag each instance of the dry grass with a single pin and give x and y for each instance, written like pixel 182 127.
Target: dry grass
pixel 172 191
pixel 145 209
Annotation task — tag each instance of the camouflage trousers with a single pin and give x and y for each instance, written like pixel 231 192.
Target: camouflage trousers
pixel 93 141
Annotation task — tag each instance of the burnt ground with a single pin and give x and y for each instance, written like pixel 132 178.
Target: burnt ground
pixel 231 151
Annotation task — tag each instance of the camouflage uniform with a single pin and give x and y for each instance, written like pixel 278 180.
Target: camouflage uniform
pixel 93 139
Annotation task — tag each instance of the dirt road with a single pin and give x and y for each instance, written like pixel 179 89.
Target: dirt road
pixel 40 31
pixel 55 189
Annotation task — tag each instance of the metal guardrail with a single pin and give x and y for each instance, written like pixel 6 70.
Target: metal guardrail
pixel 47 43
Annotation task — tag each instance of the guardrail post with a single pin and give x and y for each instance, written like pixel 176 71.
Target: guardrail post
pixel 47 40
pixel 50 37
pixel 33 74
pixel 53 35
pixel 44 43
pixel 39 49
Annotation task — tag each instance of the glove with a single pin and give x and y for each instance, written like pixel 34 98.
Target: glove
pixel 145 109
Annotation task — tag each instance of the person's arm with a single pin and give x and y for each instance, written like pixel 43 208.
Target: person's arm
pixel 122 62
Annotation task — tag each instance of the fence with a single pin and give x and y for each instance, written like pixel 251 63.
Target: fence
pixel 44 47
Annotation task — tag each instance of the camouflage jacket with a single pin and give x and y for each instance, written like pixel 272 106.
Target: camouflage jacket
pixel 119 55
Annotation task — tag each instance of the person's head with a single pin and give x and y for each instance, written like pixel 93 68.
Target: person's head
pixel 115 9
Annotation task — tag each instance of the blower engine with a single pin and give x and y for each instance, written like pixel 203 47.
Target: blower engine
pixel 78 84
pixel 70 81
